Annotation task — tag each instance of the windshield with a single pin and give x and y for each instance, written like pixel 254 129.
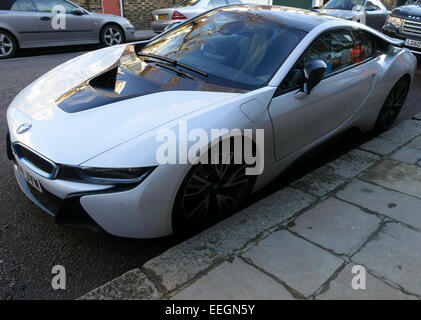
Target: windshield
pixel 237 48
pixel 344 4
pixel 185 3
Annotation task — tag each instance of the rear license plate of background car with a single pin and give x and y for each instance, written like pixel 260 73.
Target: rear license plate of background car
pixel 413 43
pixel 163 17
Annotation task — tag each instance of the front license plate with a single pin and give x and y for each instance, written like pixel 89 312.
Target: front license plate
pixel 162 17
pixel 31 179
pixel 413 43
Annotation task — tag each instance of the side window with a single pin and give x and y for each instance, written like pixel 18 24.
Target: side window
pixel 218 3
pixel 372 5
pixel 365 47
pixel 48 5
pixel 339 49
pixel 23 5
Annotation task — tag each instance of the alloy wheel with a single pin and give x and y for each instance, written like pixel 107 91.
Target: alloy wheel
pixel 112 36
pixel 214 191
pixel 6 45
pixel 393 105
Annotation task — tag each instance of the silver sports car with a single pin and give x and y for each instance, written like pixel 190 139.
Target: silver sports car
pixel 136 139
pixel 49 23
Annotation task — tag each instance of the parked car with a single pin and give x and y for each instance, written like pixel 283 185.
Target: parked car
pixel 405 23
pixel 182 10
pixel 31 23
pixel 370 12
pixel 84 137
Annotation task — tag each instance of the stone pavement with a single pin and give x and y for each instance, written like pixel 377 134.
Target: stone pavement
pixel 302 242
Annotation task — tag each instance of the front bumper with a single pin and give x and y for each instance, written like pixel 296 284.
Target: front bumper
pixel 394 33
pixel 141 211
pixel 130 34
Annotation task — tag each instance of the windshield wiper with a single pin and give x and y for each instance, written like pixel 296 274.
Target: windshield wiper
pixel 169 67
pixel 173 62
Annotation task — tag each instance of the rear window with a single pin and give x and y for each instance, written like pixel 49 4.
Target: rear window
pixel 185 3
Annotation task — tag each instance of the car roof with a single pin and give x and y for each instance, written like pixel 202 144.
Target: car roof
pixel 302 19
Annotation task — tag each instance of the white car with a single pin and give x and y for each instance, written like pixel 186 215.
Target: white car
pixel 84 138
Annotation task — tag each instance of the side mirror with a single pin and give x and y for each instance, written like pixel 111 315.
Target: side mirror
pixel 370 8
pixel 313 75
pixel 78 12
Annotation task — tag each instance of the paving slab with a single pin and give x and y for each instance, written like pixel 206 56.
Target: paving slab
pixel 182 262
pixel 131 285
pixel 341 289
pixel 407 154
pixel 353 163
pixel 395 254
pixel 320 182
pixel 234 281
pixel 403 132
pixel 395 205
pixel 380 146
pixel 416 143
pixel 398 176
pixel 336 225
pixel 300 264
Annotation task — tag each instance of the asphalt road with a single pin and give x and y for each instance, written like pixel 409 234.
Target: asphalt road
pixel 30 242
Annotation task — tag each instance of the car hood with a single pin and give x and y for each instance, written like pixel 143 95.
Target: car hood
pixel 102 99
pixel 412 12
pixel 344 14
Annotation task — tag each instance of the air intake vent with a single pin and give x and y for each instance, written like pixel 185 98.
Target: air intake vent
pixel 35 162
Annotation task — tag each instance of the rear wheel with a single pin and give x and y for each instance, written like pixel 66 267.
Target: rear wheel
pixel 393 105
pixel 8 45
pixel 210 193
pixel 112 35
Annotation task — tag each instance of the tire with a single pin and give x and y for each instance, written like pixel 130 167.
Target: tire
pixel 112 35
pixel 8 45
pixel 393 105
pixel 204 198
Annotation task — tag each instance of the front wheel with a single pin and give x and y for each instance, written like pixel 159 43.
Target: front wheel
pixel 393 105
pixel 209 194
pixel 112 35
pixel 8 45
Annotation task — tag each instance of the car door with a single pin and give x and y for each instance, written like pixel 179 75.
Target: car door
pixel 75 29
pixel 298 119
pixel 21 18
pixel 376 14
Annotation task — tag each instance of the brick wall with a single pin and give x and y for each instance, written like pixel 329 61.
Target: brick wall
pixel 137 11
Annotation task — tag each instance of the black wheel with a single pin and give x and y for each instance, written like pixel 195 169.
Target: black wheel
pixel 393 105
pixel 209 194
pixel 8 45
pixel 112 35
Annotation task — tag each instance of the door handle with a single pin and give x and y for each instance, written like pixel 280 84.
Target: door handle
pixel 45 18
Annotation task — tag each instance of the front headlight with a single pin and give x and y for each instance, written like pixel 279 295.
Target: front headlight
pixel 108 176
pixel 394 22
